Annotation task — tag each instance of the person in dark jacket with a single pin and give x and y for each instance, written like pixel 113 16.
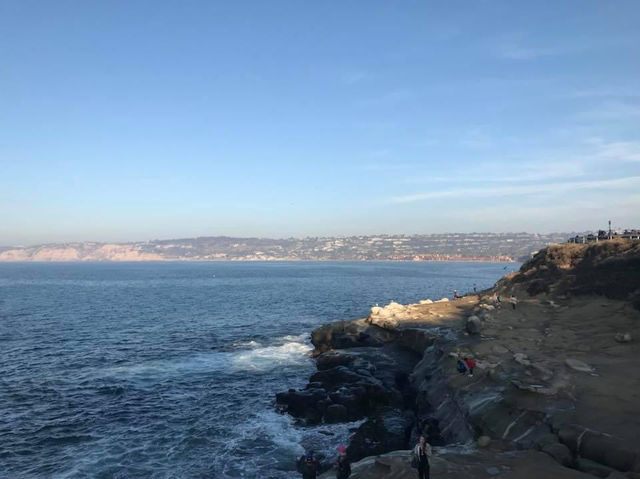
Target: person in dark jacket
pixel 343 467
pixel 308 465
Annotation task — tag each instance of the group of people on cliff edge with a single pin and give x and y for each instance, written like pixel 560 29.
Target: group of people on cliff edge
pixel 309 465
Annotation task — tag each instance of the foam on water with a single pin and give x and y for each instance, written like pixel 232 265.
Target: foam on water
pixel 268 357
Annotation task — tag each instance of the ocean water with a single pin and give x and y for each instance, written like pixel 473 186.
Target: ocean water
pixel 169 370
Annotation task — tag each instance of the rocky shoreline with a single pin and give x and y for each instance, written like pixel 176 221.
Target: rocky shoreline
pixel 557 385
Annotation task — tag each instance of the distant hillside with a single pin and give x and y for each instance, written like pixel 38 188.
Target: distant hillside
pixel 438 247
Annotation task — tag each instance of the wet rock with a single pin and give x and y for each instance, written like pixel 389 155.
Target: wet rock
pixel 302 403
pixel 578 365
pixel 492 471
pixel 336 413
pixel 334 377
pixel 348 334
pixel 623 337
pixel 386 432
pixel 473 325
pixel 332 359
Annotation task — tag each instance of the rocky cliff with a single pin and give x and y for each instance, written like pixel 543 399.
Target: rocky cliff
pixel 556 390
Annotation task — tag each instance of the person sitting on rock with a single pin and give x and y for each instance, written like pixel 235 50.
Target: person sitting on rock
pixel 308 465
pixel 343 467
pixel 470 363
pixel 421 456
pixel 455 294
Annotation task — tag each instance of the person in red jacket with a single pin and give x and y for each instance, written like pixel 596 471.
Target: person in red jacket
pixel 471 363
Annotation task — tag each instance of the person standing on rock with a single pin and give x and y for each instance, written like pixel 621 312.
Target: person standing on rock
pixel 470 363
pixel 343 467
pixel 308 466
pixel 421 456
pixel 513 301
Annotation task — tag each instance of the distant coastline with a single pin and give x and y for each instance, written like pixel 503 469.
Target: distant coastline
pixel 459 247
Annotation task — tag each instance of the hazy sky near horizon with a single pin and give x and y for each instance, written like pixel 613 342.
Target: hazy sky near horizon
pixel 134 120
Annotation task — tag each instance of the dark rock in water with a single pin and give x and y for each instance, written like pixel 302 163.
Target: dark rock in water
pixel 303 403
pixel 336 413
pixel 385 432
pixel 340 375
pixel 331 359
pixel 349 334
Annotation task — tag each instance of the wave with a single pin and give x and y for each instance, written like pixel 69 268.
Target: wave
pixel 246 355
pixel 269 357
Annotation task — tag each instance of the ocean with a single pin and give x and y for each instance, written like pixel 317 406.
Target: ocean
pixel 169 370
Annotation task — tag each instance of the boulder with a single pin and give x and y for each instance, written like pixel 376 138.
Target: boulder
pixel 333 359
pixel 306 403
pixel 560 453
pixel 483 441
pixel 388 431
pixel 592 467
pixel 336 413
pixel 334 377
pixel 473 325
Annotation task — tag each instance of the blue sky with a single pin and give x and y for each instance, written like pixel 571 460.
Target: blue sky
pixel 134 120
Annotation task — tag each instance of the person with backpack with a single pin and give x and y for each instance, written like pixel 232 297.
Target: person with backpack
pixel 308 465
pixel 343 467
pixel 421 457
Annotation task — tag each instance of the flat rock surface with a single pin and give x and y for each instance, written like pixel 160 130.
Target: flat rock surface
pixel 468 465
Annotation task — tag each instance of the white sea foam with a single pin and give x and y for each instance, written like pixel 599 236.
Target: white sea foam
pixel 245 355
pixel 269 357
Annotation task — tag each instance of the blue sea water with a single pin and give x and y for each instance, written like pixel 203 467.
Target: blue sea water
pixel 169 370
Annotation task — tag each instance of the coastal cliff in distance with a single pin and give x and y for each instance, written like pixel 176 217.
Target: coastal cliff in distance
pixel 556 387
pixel 436 247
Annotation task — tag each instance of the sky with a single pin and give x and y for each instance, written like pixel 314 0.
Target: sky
pixel 137 120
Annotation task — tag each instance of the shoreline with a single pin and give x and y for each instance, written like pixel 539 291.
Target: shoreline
pixel 540 401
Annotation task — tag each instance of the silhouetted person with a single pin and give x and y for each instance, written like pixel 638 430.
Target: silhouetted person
pixel 343 467
pixel 422 454
pixel 308 465
pixel 513 300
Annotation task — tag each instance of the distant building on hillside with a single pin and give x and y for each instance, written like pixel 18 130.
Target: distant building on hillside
pixel 630 234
